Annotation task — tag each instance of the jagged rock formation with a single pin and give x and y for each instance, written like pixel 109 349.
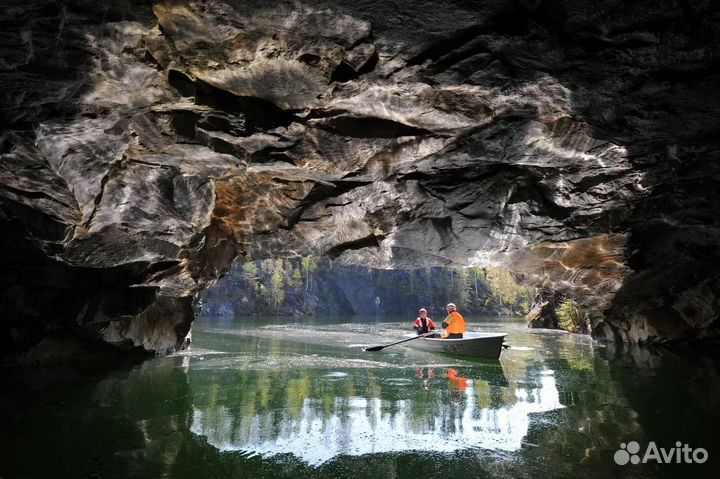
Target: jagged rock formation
pixel 145 146
pixel 542 312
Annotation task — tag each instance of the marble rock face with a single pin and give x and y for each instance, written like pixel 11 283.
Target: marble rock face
pixel 145 146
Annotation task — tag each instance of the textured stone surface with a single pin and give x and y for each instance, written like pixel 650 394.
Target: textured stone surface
pixel 143 147
pixel 542 312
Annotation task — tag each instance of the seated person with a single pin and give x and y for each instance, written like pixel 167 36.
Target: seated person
pixel 423 324
pixel 454 324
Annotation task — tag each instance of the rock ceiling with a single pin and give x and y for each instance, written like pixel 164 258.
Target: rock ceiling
pixel 144 147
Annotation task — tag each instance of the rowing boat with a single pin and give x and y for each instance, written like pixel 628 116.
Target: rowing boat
pixel 482 345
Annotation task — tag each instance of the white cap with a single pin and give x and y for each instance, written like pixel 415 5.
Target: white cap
pixel 422 309
pixel 451 305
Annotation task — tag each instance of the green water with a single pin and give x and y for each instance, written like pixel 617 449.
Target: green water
pixel 259 398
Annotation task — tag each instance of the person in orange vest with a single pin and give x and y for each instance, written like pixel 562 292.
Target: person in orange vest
pixel 454 324
pixel 423 324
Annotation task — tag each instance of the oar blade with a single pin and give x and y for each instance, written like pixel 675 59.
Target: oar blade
pixel 374 348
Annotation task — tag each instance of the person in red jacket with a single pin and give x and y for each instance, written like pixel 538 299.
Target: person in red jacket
pixel 423 324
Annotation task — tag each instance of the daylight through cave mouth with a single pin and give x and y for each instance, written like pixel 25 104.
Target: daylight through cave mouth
pixel 498 135
pixel 298 287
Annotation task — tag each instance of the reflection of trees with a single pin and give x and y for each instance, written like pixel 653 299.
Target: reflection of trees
pixel 264 392
pixel 619 396
pixel 561 369
pixel 362 410
pixel 156 420
pixel 597 416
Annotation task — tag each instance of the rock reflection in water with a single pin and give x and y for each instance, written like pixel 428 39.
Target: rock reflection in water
pixel 555 406
pixel 318 415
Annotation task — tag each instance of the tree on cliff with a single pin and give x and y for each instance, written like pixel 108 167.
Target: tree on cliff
pixel 309 286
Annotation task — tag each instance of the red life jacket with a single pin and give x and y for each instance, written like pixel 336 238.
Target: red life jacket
pixel 425 326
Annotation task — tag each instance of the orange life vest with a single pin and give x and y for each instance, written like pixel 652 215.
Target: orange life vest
pixel 455 323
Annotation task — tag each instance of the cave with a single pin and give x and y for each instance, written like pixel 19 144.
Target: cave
pixel 144 150
pixel 147 147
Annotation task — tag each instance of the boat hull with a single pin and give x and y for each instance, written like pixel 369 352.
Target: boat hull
pixel 480 345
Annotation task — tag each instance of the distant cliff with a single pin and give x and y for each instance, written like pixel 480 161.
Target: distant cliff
pixel 310 287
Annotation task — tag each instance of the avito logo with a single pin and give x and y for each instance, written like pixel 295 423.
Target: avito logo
pixel 680 454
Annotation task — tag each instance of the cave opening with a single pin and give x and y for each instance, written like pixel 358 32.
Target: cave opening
pixel 292 288
pixel 378 158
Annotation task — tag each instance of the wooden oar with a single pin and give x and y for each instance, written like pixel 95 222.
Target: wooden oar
pixel 378 348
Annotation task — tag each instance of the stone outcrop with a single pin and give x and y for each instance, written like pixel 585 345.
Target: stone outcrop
pixel 143 147
pixel 542 312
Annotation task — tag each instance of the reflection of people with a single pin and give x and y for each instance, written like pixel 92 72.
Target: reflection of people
pixel 454 323
pixel 456 382
pixel 423 324
pixel 420 374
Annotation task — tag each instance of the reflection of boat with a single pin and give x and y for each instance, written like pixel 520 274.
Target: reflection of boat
pixel 483 345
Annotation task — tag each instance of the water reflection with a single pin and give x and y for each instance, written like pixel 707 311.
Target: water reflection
pixel 317 415
pixel 241 406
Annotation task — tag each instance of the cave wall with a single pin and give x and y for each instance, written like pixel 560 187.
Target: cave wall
pixel 145 145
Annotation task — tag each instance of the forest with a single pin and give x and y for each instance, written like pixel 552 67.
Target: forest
pixel 310 286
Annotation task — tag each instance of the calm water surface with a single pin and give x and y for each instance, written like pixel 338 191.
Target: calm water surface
pixel 261 398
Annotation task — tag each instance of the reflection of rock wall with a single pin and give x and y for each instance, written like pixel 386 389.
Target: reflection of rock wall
pixel 130 422
pixel 317 423
pixel 145 147
pixel 560 407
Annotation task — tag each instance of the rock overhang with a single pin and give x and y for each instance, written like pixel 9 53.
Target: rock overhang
pixel 541 138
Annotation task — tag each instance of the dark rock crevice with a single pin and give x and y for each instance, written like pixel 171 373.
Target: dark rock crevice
pixel 360 127
pixel 360 243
